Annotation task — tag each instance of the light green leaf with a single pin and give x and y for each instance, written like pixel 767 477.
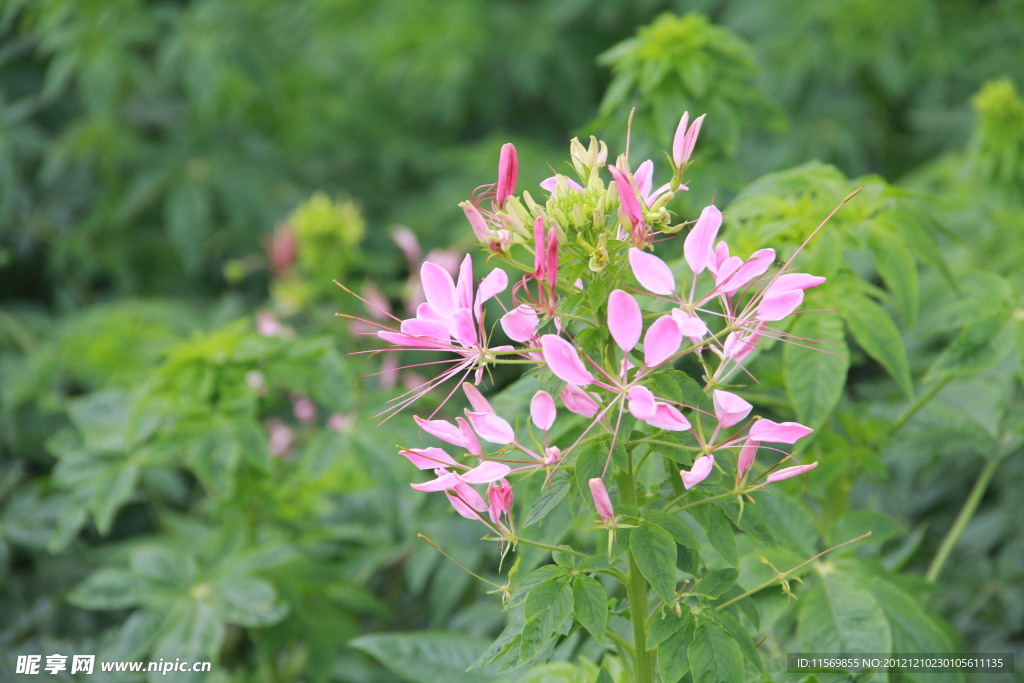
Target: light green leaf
pixel 979 346
pixel 248 602
pixel 590 603
pixel 547 607
pixel 895 263
pixel 655 553
pixel 815 377
pixel 109 589
pixel 102 419
pixel 878 335
pixel 549 497
pixel 675 526
pixel 673 662
pixel 714 584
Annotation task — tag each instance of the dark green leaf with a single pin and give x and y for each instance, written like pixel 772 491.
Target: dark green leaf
pixel 878 335
pixel 549 497
pixel 840 615
pixel 815 377
pixel 425 655
pixel 979 346
pixel 248 602
pixel 714 655
pixel 109 589
pixel 714 584
pixel 590 603
pixel 675 526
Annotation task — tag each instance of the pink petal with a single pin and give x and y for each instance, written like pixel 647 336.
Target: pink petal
pixel 726 269
pixel 702 467
pixel 778 432
pixel 542 410
pixel 550 184
pixel 493 283
pixel 520 324
pixel 643 179
pixel 791 281
pixel 399 339
pixel 778 305
pixel 443 430
pixel 464 285
pixel 429 458
pixel 790 472
pixel 697 247
pixel 476 399
pixel 690 325
pixel 662 341
pixel 485 473
pixel 563 360
pixel 756 266
pixel 739 345
pixel 601 500
pixel 445 480
pixel 491 428
pixel 729 408
pixel 627 197
pixel 668 417
pixel 470 442
pixel 476 221
pixel 463 327
pixel 651 272
pixel 718 258
pixel 625 321
pixel 508 171
pixel 499 499
pixel 438 288
pixel 578 401
pixel 430 329
pixel 746 457
pixel 679 140
pixel 466 501
pixel 641 403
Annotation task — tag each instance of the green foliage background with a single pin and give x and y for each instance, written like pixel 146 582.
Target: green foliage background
pixel 149 151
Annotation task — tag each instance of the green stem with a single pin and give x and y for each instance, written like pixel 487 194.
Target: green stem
pixel 919 403
pixel 962 519
pixel 636 590
pixel 552 548
pixel 709 499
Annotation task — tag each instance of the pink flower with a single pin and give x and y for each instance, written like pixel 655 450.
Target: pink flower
pixel 729 408
pixel 685 139
pixel 702 467
pixel 491 427
pixel 282 249
pixel 790 472
pixel 746 457
pixel 520 324
pixel 740 344
pixel 629 208
pixel 508 171
pixel 305 410
pixel 551 184
pixel 734 274
pixel 778 432
pixel 692 327
pixel 601 500
pixel 499 495
pixel 280 437
pixel 458 434
pixel 563 360
pixel 643 406
pixel 463 497
pixel 268 325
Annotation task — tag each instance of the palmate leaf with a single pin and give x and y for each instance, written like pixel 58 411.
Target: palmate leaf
pixel 815 377
pixel 877 334
pixel 426 655
pixel 841 615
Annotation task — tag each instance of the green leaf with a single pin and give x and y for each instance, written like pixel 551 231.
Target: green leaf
pixel 673 662
pixel 878 335
pixel 714 655
pixel 840 615
pixel 425 655
pixel 102 419
pixel 742 637
pixel 979 346
pixel 815 377
pixel 549 497
pixel 248 602
pixel 856 523
pixel 192 631
pixel 714 584
pixel 721 534
pixel 675 526
pixel 655 553
pixel 590 603
pixel 547 607
pixel 665 623
pixel 111 490
pixel 589 464
pixel 676 385
pixel 539 575
pixel 109 589
pixel 187 217
pixel 895 263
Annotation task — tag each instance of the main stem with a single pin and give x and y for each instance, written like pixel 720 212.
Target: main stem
pixel 636 590
pixel 962 519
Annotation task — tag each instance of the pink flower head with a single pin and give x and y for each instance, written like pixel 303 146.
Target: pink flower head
pixel 491 428
pixel 542 410
pixel 563 360
pixel 268 325
pixel 304 409
pixel 629 207
pixel 691 326
pixel 641 403
pixel 702 467
pixel 282 249
pixel 463 497
pixel 784 294
pixel 732 275
pixel 625 321
pixel 520 324
pixel 280 437
pixel 790 472
pixel 778 432
pixel 429 458
pixel 499 495
pixel 458 434
pixel 652 273
pixel 729 408
pixel 697 248
pixel 643 406
pixel 746 457
pixel 669 418
pixel 578 401
pixel 661 341
pixel 552 454
pixel 740 344
pixel 508 172
pixel 601 500
pixel 685 139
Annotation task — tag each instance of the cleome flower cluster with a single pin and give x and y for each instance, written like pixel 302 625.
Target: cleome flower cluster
pixel 587 268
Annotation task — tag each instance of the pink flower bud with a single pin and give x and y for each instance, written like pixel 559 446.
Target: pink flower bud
pixel 542 410
pixel 746 457
pixel 601 500
pixel 578 401
pixel 305 410
pixel 499 495
pixel 730 408
pixel 476 221
pixel 697 248
pixel 778 432
pixel 508 172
